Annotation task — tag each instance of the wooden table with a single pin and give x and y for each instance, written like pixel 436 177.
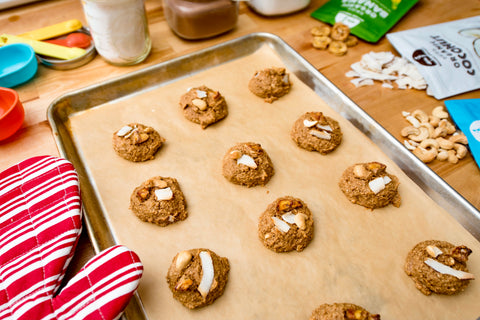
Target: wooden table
pixel 384 105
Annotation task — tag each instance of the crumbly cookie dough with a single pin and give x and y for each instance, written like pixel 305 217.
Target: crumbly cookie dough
pixel 197 277
pixel 247 164
pixel 369 185
pixel 286 225
pixel 204 106
pixel 315 132
pixel 159 200
pixel 342 311
pixel 270 84
pixel 427 279
pixel 137 142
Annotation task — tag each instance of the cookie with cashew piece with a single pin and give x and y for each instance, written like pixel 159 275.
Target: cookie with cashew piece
pixel 159 200
pixel 370 185
pixel 270 84
pixel 286 225
pixel 137 142
pixel 314 131
pixel 197 277
pixel 342 311
pixel 438 267
pixel 204 106
pixel 247 164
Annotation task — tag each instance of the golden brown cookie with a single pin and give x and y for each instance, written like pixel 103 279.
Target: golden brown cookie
pixel 438 267
pixel 197 277
pixel 247 164
pixel 369 185
pixel 270 84
pixel 159 200
pixel 342 311
pixel 315 132
pixel 286 225
pixel 137 142
pixel 204 106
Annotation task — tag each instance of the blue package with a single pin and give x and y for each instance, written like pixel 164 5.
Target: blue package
pixel 466 115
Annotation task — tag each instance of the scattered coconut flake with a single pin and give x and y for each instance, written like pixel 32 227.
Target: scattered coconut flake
pixel 207 274
pixel 386 179
pixel 280 224
pixel 131 132
pixel 324 127
pixel 164 194
pixel 285 79
pixel 289 217
pixel 443 269
pixel 201 94
pixel 433 251
pixel 320 134
pixel 377 185
pixel 245 159
pixel 386 67
pixel 124 130
pixel 309 123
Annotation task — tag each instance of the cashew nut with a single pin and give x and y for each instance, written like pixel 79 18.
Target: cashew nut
pixel 409 130
pixel 439 112
pixel 410 144
pixel 414 121
pixel 452 157
pixel 429 144
pixel 439 132
pixel 442 155
pixel 433 120
pixel 424 134
pixel 461 150
pixel 444 143
pixel 420 115
pixel 459 138
pixel 425 155
pixel 431 129
pixel 447 125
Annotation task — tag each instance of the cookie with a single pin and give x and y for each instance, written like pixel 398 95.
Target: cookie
pixel 197 277
pixel 159 200
pixel 369 185
pixel 315 132
pixel 247 164
pixel 204 106
pixel 342 311
pixel 433 266
pixel 270 84
pixel 137 142
pixel 286 225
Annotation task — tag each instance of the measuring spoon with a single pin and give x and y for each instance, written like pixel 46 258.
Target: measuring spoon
pixel 73 40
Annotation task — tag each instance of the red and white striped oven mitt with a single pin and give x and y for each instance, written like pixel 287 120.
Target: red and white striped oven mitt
pixel 40 223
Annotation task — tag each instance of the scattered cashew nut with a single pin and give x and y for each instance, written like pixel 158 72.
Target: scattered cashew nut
pixel 426 155
pixel 439 112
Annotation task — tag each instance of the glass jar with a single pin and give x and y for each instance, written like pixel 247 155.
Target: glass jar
pixel 198 19
pixel 119 29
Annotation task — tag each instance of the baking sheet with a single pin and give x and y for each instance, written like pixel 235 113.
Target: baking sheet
pixel 356 256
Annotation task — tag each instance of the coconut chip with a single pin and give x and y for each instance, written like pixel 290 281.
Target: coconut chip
pixel 324 127
pixel 309 123
pixel 320 134
pixel 289 217
pixel 386 179
pixel 124 130
pixel 385 67
pixel 245 159
pixel 280 224
pixel 443 269
pixel 433 251
pixel 377 185
pixel 207 274
pixel 164 194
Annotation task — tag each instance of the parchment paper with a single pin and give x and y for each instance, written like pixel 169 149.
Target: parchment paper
pixel 357 255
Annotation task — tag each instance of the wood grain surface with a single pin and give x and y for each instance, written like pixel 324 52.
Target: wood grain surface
pixel 384 105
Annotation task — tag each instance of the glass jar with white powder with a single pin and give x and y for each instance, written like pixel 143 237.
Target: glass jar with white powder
pixel 119 29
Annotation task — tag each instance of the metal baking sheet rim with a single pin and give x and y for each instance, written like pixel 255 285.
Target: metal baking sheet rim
pixel 160 74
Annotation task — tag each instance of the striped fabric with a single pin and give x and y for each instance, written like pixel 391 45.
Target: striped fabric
pixel 40 223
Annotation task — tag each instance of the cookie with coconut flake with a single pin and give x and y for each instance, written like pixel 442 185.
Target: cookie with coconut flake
pixel 286 225
pixel 369 185
pixel 438 267
pixel 137 142
pixel 342 311
pixel 315 132
pixel 247 164
pixel 204 106
pixel 270 84
pixel 159 200
pixel 197 277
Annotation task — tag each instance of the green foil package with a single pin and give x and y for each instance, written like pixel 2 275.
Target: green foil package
pixel 367 19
